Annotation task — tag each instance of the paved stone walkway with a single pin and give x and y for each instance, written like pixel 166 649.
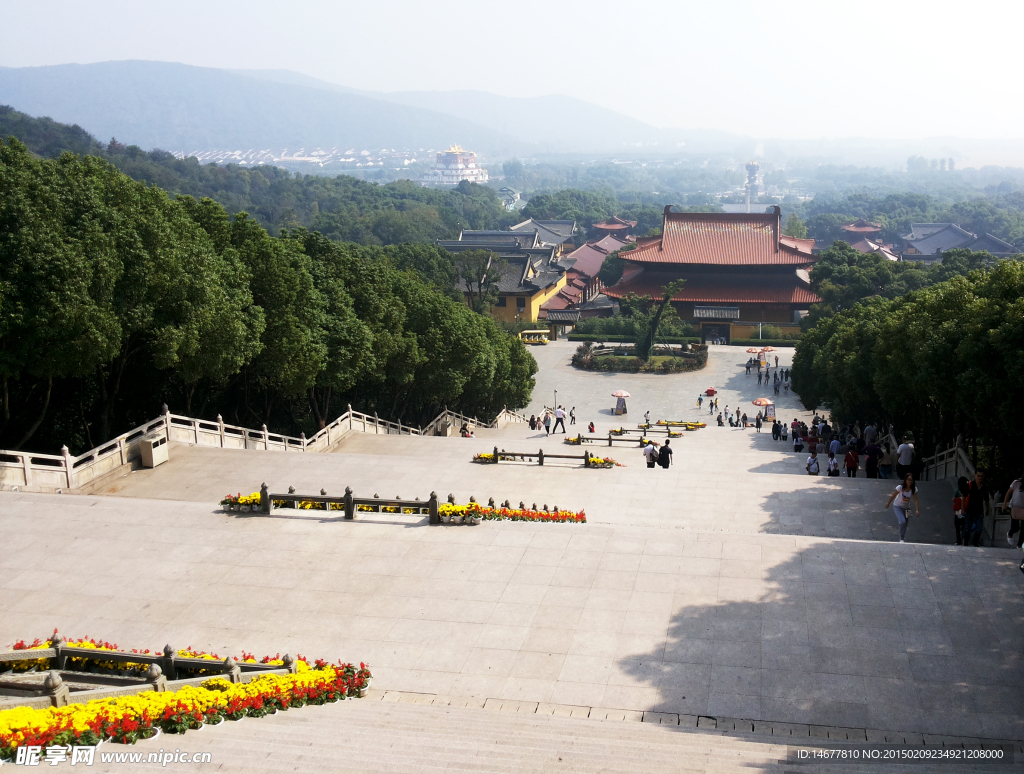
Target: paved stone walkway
pixel 767 627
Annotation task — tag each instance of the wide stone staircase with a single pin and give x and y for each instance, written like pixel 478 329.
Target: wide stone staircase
pixel 375 735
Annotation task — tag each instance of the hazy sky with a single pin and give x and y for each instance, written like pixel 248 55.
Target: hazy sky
pixel 783 69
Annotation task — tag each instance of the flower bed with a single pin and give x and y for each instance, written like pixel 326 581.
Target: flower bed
pixel 81 664
pixel 604 462
pixel 681 423
pixel 488 457
pixel 126 719
pixel 451 513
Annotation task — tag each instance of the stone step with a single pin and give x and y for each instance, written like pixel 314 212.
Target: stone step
pixel 374 736
pixel 424 738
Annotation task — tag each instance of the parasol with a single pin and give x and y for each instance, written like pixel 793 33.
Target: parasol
pixel 620 394
pixel 770 349
pixel 754 350
pixel 763 402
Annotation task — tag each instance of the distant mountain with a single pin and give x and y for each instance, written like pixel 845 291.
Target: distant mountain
pixel 553 123
pixel 181 107
pixel 184 108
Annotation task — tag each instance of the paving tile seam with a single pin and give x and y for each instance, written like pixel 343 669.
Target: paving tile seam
pixel 814 731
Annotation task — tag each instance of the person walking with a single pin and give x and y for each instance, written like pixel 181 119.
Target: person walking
pixel 647 418
pixel 904 457
pixel 976 507
pixel 533 422
pixel 885 462
pixel 1015 499
pixel 776 361
pixel 716 404
pixel 852 463
pixel 757 422
pixel 872 453
pixel 711 406
pixel 547 423
pixel 559 419
pixel 900 501
pixel 748 366
pixel 833 465
pixel 700 401
pixel 775 430
pixel 665 455
pixel 572 416
pixel 746 423
pixel 650 453
pixel 959 514
pixel 758 375
pixel 812 464
pixel 591 428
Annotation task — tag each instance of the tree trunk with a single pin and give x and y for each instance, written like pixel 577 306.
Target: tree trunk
pixel 42 414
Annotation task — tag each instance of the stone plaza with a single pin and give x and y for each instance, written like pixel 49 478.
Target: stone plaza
pixel 731 587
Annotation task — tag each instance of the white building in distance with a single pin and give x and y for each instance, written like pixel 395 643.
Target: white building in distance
pixel 453 166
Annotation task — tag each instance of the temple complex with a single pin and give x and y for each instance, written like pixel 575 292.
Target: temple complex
pixel 740 271
pixel 453 166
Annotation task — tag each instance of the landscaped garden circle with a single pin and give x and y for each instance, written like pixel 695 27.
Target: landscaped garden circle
pixel 620 358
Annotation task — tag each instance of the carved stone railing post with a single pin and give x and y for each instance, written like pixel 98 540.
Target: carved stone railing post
pixel 540 457
pixel 57 643
pixel 155 677
pixel 376 424
pixel 350 504
pixel 495 455
pixel 167 663
pixel 266 437
pixel 349 416
pixel 220 429
pixel 265 504
pixel 69 467
pixel 432 507
pixel 289 664
pixel 56 690
pixel 232 671
pixel 302 437
pixel 26 464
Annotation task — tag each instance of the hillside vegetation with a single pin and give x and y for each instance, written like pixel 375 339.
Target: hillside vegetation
pixel 115 298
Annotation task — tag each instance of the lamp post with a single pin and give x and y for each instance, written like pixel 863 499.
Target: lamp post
pixel 556 400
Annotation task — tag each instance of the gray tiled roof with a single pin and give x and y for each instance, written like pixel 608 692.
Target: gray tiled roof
pixel 922 230
pixel 553 232
pixel 948 238
pixel 993 245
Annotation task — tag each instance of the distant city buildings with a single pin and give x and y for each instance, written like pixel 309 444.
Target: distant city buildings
pixel 453 166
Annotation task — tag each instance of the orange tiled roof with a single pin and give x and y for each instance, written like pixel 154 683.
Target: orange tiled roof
pixel 722 239
pixel 723 288
pixel 861 226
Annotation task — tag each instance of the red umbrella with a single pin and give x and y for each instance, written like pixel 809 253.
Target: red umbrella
pixel 620 394
pixel 763 402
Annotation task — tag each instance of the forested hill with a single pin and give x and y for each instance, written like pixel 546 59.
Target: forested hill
pixel 341 208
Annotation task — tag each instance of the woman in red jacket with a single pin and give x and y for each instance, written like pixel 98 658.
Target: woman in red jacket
pixel 852 462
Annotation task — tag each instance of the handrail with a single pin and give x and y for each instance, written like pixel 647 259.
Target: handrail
pixel 59 472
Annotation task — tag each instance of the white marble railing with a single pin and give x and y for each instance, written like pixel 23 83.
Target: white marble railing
pixel 50 472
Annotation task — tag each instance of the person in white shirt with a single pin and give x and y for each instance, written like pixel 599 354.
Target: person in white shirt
pixel 559 419
pixel 650 454
pixel 902 496
pixel 904 458
pixel 812 463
